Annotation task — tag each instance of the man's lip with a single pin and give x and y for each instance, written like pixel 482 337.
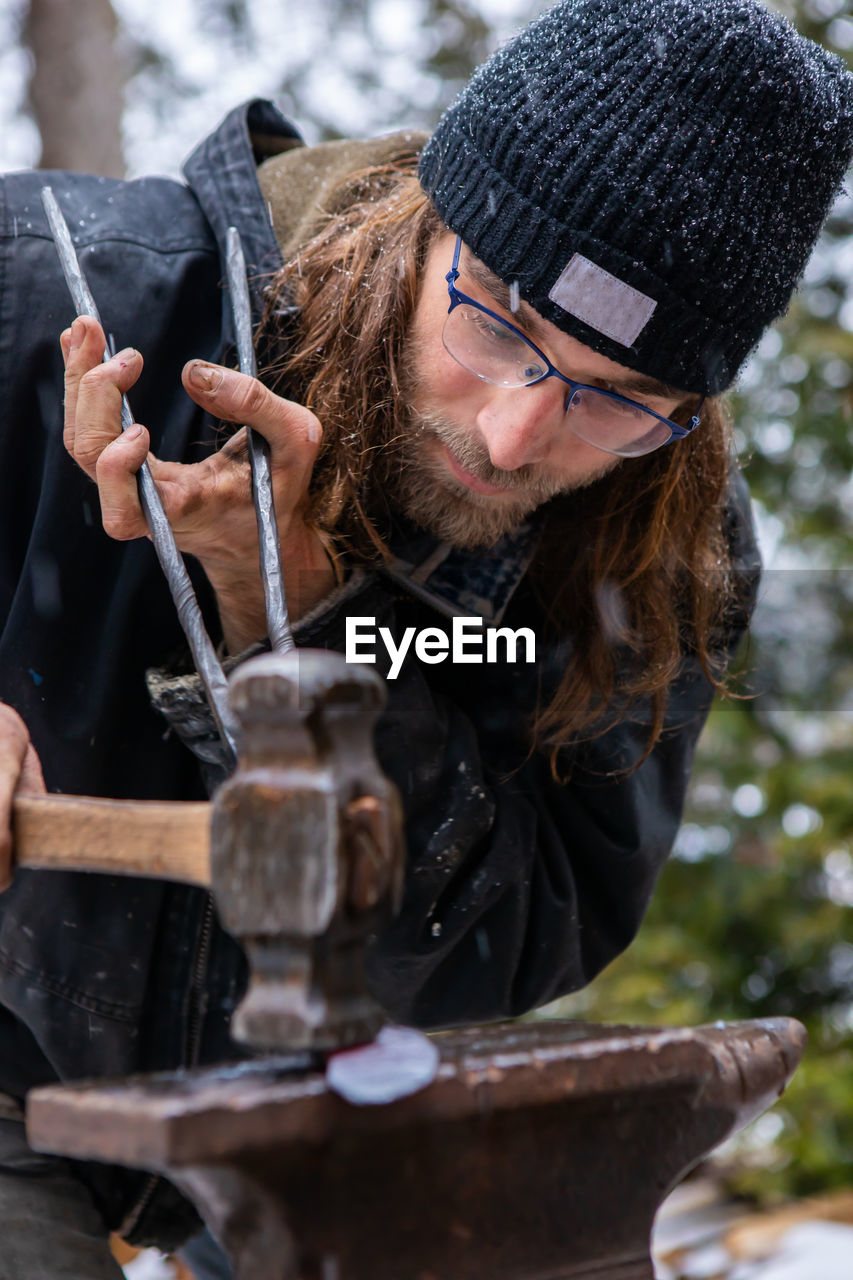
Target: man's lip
pixel 467 478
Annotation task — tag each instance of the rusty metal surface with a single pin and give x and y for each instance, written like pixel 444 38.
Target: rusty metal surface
pixel 541 1151
pixel 176 1117
pixel 512 1195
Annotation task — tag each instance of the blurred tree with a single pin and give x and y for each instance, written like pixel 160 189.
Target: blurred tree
pixel 337 67
pixel 76 84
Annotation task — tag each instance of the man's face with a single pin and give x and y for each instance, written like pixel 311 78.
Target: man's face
pixel 477 458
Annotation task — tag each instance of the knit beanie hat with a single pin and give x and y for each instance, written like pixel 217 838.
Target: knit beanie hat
pixel 653 173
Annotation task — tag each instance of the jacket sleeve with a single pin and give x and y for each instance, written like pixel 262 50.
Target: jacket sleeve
pixel 518 888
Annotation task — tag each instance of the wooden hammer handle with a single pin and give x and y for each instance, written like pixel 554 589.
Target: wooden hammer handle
pixel 166 839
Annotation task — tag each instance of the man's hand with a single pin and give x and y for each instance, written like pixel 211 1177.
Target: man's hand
pixel 20 774
pixel 208 504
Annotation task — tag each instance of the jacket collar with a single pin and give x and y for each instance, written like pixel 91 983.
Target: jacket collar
pixel 222 173
pixel 461 583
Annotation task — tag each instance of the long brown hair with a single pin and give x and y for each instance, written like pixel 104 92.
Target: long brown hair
pixel 635 568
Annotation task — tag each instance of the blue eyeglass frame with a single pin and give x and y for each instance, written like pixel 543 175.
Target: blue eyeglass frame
pixel 457 297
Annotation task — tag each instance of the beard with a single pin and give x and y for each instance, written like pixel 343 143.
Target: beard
pixel 429 494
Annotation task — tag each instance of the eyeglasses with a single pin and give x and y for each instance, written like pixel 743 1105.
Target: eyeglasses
pixel 487 345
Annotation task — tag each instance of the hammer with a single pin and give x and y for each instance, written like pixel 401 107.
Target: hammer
pixel 302 846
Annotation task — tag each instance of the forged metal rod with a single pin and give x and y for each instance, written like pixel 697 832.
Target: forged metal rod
pixel 171 561
pixel 278 624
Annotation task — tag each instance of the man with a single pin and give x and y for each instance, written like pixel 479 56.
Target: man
pixel 489 390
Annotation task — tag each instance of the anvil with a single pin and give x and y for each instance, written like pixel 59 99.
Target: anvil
pixel 541 1151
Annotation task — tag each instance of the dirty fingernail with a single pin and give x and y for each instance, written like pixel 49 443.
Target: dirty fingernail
pixel 125 356
pixel 205 376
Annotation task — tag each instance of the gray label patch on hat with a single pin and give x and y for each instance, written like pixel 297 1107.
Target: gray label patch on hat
pixel 602 301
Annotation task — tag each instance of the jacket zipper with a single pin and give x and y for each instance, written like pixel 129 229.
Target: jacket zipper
pixel 193 1044
pixel 196 1000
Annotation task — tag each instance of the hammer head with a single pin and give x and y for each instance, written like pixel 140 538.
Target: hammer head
pixel 306 848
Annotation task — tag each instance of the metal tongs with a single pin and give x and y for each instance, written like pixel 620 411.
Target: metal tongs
pixel 181 588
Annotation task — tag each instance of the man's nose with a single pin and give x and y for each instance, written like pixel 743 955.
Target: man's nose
pixel 521 425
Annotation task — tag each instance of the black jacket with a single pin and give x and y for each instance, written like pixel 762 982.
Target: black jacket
pixel 518 889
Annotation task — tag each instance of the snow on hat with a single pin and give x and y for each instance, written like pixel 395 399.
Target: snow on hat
pixel 653 173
